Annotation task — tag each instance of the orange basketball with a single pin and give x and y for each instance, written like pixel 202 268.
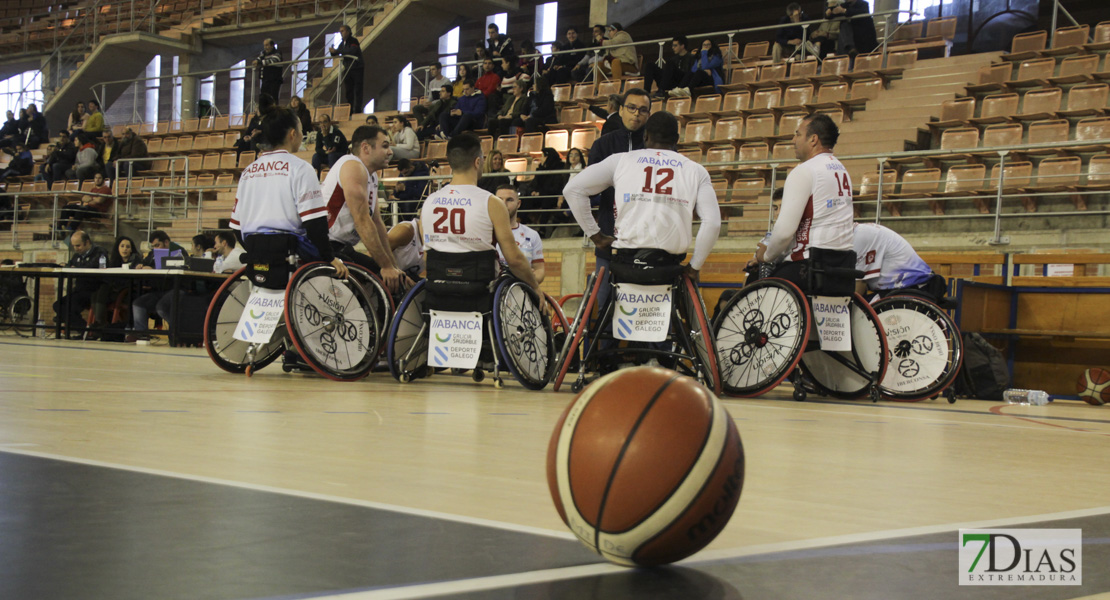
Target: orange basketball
pixel 645 466
pixel 1093 386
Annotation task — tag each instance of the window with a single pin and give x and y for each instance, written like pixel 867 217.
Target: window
pixel 236 89
pixel 208 89
pixel 404 88
pixel 448 52
pixel 546 26
pixel 501 19
pixel 369 108
pixel 920 7
pixel 20 90
pixel 300 68
pixel 176 89
pixel 153 71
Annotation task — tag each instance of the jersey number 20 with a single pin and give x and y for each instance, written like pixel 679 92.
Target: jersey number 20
pixel 454 217
pixel 665 177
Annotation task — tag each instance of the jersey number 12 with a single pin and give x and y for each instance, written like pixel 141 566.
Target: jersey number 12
pixel 454 217
pixel 665 177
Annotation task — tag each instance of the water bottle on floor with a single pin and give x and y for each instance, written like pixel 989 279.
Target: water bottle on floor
pixel 1027 397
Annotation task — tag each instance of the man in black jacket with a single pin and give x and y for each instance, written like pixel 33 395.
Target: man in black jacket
pixel 331 144
pixel 634 112
pixel 498 44
pixel 37 133
pixel 85 256
pixel 353 68
pixel 409 193
pixel 60 160
pixel 271 74
pixel 675 67
pixel 562 64
pixel 858 35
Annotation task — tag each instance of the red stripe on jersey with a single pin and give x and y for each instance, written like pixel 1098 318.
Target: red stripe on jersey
pixel 871 272
pixel 801 237
pixel 335 204
pixel 309 213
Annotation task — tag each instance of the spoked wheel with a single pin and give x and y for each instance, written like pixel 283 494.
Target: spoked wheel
pixel 524 338
pixel 406 348
pixel 701 336
pixel 381 301
pixel 853 374
pixel 230 354
pixel 568 354
pixel 924 348
pixel 331 322
pixel 760 336
pixel 19 316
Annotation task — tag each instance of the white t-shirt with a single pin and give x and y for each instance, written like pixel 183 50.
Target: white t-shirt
pixel 816 210
pixel 656 194
pixel 341 225
pixel 277 192
pixel 887 259
pixel 232 262
pixel 411 254
pixel 529 243
pixel 456 219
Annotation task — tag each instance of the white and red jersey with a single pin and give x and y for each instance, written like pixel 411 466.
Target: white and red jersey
pixel 411 255
pixel 456 219
pixel 656 194
pixel 341 225
pixel 816 210
pixel 277 192
pixel 887 259
pixel 529 243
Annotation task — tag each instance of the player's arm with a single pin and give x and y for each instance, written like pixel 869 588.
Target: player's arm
pixel 314 216
pixel 354 181
pixel 795 196
pixel 710 213
pixel 503 233
pixel 592 180
pixel 395 279
pixel 400 235
pixel 539 271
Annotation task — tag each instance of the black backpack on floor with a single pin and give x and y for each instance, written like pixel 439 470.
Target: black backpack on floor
pixel 984 374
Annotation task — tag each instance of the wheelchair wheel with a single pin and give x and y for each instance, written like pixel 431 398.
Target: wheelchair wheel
pixel 406 349
pixel 230 354
pixel 568 354
pixel 331 322
pixel 523 334
pixel 558 319
pixel 380 300
pixel 19 316
pixel 760 336
pixel 925 349
pixel 700 335
pixel 851 374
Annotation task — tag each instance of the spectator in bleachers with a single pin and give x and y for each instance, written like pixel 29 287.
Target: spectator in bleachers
pixel 430 125
pixel 85 256
pixel 462 75
pixel 130 147
pixel 490 82
pixel 584 70
pixel 94 125
pixel 331 144
pixel 87 162
pixel 674 68
pixel 512 111
pixel 436 81
pixel 77 119
pixel 576 161
pixel 621 60
pixel 542 193
pixel 498 44
pixel 229 257
pixel 789 36
pixel 9 133
pixel 527 65
pixel 469 113
pixel 124 254
pixel 372 120
pixel 858 35
pixel 91 206
pixel 611 113
pixel 511 67
pixel 271 73
pixel 354 67
pixel 541 108
pixel 559 69
pixel 303 113
pixel 59 161
pixel 705 71
pixel 408 193
pixel 480 52
pixel 405 143
pixel 37 132
pixel 248 140
pixel 22 163
pixel 491 173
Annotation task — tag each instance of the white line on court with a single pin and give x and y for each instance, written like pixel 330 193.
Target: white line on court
pixel 564 535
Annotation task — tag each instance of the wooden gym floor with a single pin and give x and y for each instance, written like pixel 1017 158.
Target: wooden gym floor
pixel 132 472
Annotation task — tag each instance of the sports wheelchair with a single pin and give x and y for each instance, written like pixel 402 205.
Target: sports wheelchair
pixel 517 334
pixel 926 349
pixel 16 310
pixel 766 333
pixel 336 327
pixel 688 344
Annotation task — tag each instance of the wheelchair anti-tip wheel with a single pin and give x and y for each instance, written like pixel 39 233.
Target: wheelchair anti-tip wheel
pixel 853 374
pixel 525 341
pixel 331 322
pixel 924 348
pixel 230 354
pixel 406 349
pixel 761 335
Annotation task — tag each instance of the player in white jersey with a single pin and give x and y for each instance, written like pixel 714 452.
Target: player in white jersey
pixel 351 194
pixel 527 239
pixel 890 264
pixel 407 244
pixel 279 193
pixel 657 191
pixel 816 207
pixel 462 226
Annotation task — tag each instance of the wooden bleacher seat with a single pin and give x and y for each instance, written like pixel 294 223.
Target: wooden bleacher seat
pixel 1016 178
pixel 437 149
pixel 996 108
pixel 487 144
pixel 771 75
pixel 221 123
pixel 992 78
pixel 508 144
pixel 1089 130
pixel 765 100
pixel 562 92
pixel 1027 45
pixel 733 104
pixel 782 151
pixel 1076 69
pixel 1098 173
pixel 1039 104
pixel 605 88
pixel 245 159
pixel 320 111
pixel 1001 134
pixel 206 124
pixel 678 106
pixel 583 91
pixel 836 114
pixel 1033 73
pixel 788 123
pixel 211 162
pixel 741 78
pixel 1068 40
pixel 697 132
pixel 953 113
pixel 1047 131
pixel 830 95
pixel 754 51
pixel 960 181
pixel 862 91
pixel 169 145
pixel 583 138
pixel 1087 101
pixel 517 164
pixel 190 125
pixel 916 184
pixel 704 107
pixel 570 115
pixel 795 98
pixel 531 143
pixel 833 69
pixel 758 127
pixel 341 112
pixel 802 71
pixel 225 180
pixel 728 129
pixel 559 139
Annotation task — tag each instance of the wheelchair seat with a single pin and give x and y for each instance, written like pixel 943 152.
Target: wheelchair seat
pixel 646 266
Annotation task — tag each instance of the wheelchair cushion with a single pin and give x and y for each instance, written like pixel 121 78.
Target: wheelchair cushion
pixel 460 281
pixel 267 259
pixel 646 266
pixel 831 272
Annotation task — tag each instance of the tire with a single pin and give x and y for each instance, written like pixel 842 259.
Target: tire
pixel 408 336
pixel 828 372
pixel 701 336
pixel 331 323
pixel 228 353
pixel 19 316
pixel 380 299
pixel 578 327
pixel 925 348
pixel 525 340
